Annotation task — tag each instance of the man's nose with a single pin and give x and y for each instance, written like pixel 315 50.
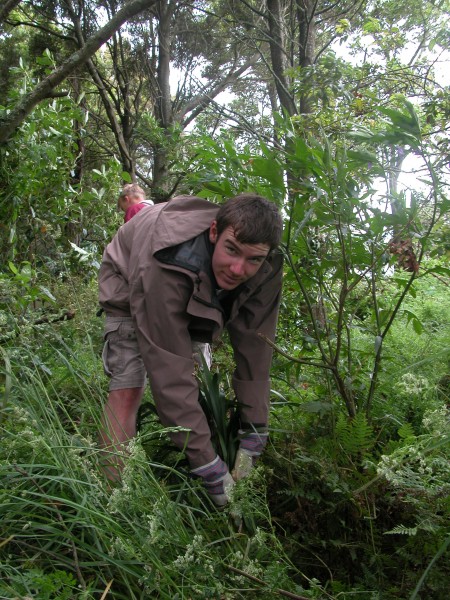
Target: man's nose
pixel 237 267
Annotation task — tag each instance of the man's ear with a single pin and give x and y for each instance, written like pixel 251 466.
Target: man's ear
pixel 213 232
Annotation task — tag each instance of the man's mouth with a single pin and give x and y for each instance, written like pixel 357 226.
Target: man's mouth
pixel 231 280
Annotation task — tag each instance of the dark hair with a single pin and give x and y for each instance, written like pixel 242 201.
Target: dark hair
pixel 255 220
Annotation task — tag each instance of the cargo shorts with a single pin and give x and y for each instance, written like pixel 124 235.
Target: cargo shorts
pixel 122 361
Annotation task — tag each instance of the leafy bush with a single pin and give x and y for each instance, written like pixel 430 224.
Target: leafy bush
pixel 54 216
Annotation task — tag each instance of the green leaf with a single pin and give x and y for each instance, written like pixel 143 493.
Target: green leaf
pixel 79 250
pixel 356 436
pixel 12 234
pixel 222 188
pixel 417 326
pixel 412 291
pixel 54 131
pixel 44 60
pixel 342 26
pixel 316 407
pixel 408 123
pixel 406 431
pixel 402 530
pixel 13 268
pixel 414 319
pixel 47 293
pixel 439 269
pixel 327 153
pixel 6 373
pixel 372 26
pixel 268 169
pixel 362 134
pixel 362 156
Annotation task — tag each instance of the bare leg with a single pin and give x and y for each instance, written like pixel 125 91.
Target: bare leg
pixel 118 426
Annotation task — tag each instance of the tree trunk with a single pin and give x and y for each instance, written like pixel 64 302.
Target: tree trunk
pixel 123 147
pixel 163 107
pixel 306 45
pixel 278 57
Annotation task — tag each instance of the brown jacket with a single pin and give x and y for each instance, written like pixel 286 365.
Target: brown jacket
pixel 173 302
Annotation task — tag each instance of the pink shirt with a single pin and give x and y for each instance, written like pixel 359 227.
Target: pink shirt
pixel 134 209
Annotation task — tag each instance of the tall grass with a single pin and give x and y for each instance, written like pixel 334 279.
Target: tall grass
pixel 66 534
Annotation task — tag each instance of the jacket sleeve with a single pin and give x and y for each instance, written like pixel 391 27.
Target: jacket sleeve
pixel 158 300
pixel 253 356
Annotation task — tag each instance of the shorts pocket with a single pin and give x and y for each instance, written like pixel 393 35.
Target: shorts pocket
pixel 111 327
pixel 105 358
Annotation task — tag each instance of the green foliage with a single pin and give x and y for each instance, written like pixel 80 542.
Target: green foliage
pixel 363 348
pixel 340 245
pixel 356 436
pixel 417 473
pixel 353 490
pixel 336 505
pixel 221 413
pixel 5 382
pixel 20 288
pixel 345 303
pixel 47 586
pixel 45 204
pixel 222 169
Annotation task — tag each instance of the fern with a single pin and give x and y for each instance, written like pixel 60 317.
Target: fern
pixel 401 529
pixel 356 436
pixel 406 431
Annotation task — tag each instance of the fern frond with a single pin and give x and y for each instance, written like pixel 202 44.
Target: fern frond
pixel 355 436
pixel 402 530
pixel 406 431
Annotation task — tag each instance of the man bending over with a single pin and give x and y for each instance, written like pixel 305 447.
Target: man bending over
pixel 180 272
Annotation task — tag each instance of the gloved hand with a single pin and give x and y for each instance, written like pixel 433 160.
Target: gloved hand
pixel 217 480
pixel 252 443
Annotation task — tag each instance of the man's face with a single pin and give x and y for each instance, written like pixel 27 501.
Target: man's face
pixel 233 262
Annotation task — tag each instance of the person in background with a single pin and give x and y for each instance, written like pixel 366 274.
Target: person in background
pixel 131 200
pixel 182 272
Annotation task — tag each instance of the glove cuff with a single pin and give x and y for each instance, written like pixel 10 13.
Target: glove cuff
pixel 253 442
pixel 216 480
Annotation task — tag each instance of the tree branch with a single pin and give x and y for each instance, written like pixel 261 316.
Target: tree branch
pixel 197 104
pixel 10 122
pixel 7 7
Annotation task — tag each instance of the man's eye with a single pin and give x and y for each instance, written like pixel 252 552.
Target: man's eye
pixel 231 250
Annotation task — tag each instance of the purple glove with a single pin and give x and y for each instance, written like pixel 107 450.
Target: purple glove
pixel 216 480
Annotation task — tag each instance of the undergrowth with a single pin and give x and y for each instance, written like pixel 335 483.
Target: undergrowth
pixel 336 508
